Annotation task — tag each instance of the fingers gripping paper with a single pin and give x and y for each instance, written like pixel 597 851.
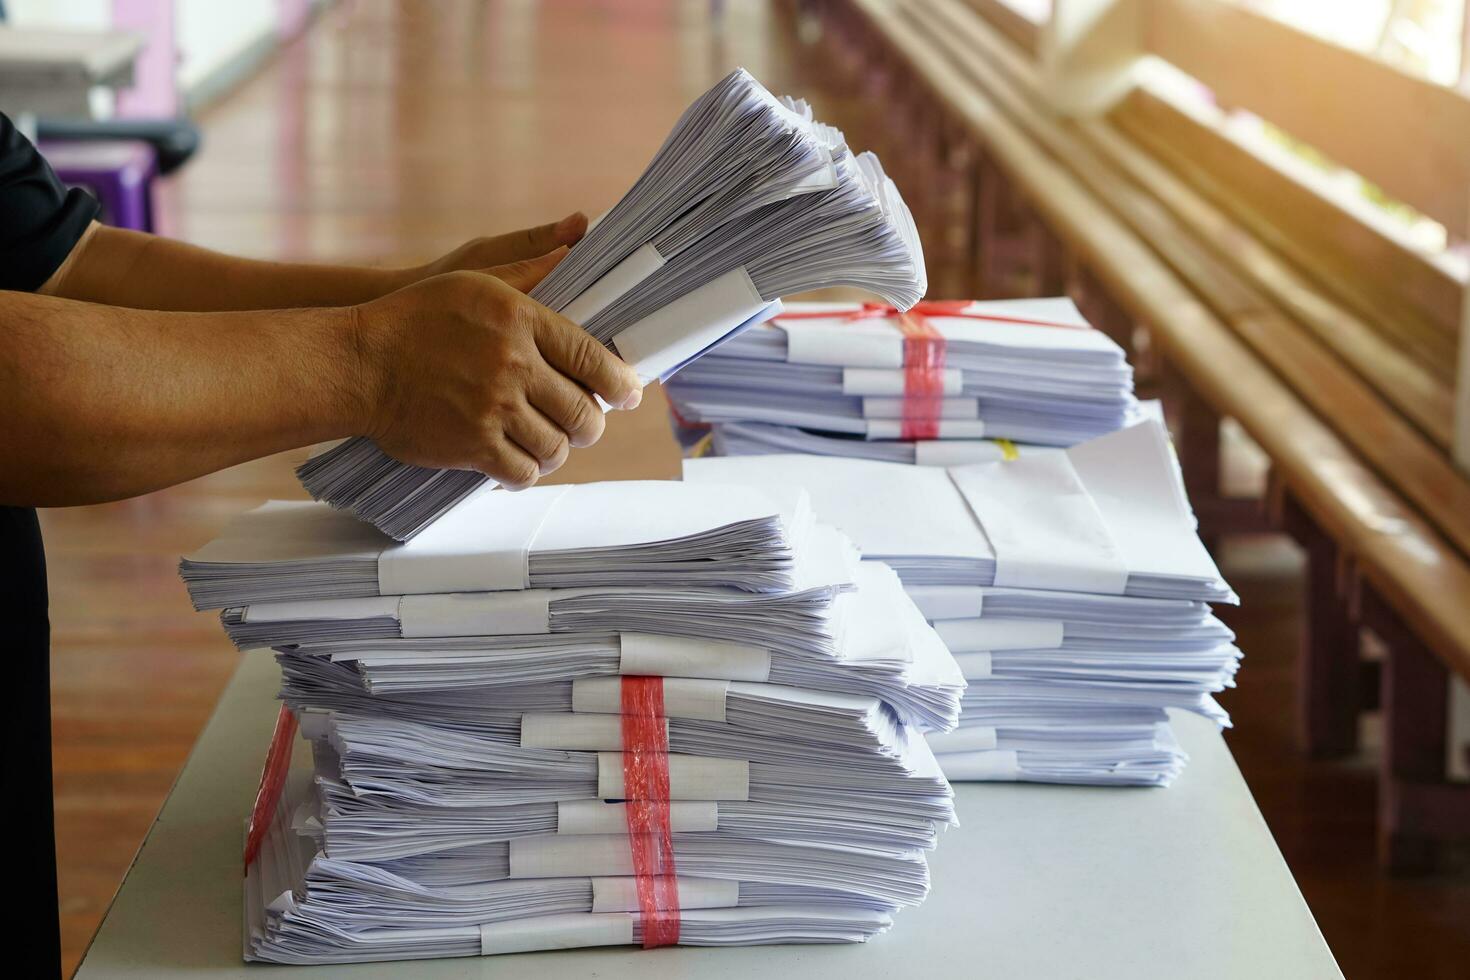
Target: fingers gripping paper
pixel 646 782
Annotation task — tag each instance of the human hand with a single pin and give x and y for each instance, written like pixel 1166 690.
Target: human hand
pixel 515 246
pixel 464 371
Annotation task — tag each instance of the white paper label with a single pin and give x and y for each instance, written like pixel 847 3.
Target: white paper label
pixel 614 283
pixel 569 930
pixel 690 777
pixel 1046 530
pixel 574 732
pixel 975 665
pixel 893 381
pixel 948 601
pixel 370 607
pixel 476 614
pixel 968 635
pixel 694 322
pixel 482 544
pixel 583 817
pixel 620 894
pixel 840 342
pixel 977 739
pixel 559 856
pixel 683 697
pixel 948 429
pixel 894 408
pixel 652 655
pixel 955 452
pixel 994 766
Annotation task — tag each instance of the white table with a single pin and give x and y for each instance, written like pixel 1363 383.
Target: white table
pixel 1041 882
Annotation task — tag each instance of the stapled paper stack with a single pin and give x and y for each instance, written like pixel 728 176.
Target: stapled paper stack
pixel 614 713
pixel 1071 586
pixel 933 385
pixel 748 200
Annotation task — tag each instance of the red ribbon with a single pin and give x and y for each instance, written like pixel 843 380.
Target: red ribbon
pixel 272 783
pixel 923 352
pixel 646 791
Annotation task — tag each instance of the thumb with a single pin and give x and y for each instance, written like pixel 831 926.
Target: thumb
pixel 524 275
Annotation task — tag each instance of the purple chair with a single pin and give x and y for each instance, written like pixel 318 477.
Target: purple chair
pixel 119 173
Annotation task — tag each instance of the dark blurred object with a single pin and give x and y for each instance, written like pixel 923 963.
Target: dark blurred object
pixel 173 140
pixel 119 173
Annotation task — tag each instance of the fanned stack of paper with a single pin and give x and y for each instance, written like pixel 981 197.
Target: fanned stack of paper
pixel 482 759
pixel 1071 586
pixel 929 386
pixel 748 200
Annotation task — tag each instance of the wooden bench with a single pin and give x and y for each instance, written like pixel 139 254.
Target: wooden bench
pixel 1350 392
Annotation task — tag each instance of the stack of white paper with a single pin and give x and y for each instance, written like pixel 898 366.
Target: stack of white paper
pixel 636 532
pixel 748 200
pixel 848 380
pixel 1071 586
pixel 477 768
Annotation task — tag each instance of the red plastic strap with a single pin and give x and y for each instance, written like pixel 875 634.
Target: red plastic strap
pixel 923 352
pixel 925 307
pixel 646 790
pixel 923 376
pixel 272 783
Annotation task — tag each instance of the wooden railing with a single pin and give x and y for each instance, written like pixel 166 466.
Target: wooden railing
pixel 1037 168
pixel 1406 136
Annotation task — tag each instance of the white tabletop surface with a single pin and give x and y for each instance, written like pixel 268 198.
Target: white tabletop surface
pixel 1040 882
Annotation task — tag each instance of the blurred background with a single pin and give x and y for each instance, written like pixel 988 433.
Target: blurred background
pixel 1296 172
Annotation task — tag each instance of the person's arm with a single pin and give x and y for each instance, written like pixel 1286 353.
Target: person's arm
pixel 147 272
pixel 460 370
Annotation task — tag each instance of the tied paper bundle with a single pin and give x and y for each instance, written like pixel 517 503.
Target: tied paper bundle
pixel 931 385
pixel 748 200
pixel 1071 587
pixel 730 761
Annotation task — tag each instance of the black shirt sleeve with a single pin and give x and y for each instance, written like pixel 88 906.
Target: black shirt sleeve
pixel 40 220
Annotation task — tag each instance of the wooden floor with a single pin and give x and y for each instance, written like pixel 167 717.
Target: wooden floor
pixel 388 134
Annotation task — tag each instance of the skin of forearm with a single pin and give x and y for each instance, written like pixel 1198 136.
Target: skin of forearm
pixel 147 272
pixel 100 403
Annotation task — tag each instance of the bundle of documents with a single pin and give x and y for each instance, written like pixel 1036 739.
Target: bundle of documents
pixel 1071 586
pixel 924 386
pixel 661 712
pixel 748 200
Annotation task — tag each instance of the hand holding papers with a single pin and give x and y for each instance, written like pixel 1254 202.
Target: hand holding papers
pixel 749 199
